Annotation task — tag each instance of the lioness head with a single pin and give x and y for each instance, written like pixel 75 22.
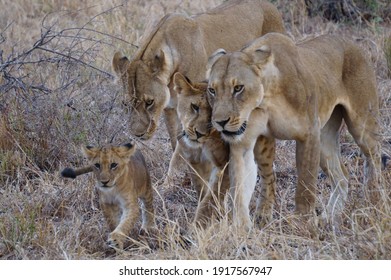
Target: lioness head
pixel 193 110
pixel 109 162
pixel 238 83
pixel 146 93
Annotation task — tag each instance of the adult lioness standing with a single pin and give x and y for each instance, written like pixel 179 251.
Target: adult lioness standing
pixel 183 44
pixel 275 89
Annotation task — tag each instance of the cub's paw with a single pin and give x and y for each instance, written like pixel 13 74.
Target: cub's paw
pixel 116 240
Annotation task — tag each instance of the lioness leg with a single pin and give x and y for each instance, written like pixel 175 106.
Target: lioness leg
pixel 331 163
pixel 264 152
pixel 307 163
pixel 243 177
pixel 364 129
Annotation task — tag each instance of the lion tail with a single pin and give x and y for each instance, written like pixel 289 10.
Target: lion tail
pixel 73 173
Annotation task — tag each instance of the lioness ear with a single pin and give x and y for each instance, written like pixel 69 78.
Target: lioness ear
pixel 212 60
pixel 261 55
pixel 89 151
pixel 160 65
pixel 120 64
pixel 181 83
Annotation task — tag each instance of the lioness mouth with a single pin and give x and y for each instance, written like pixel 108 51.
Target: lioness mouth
pixel 240 131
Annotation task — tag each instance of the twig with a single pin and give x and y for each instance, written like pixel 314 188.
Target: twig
pixel 108 75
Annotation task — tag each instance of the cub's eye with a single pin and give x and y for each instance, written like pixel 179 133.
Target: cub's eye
pixel 97 165
pixel 211 91
pixel 113 165
pixel 238 89
pixel 195 107
pixel 149 102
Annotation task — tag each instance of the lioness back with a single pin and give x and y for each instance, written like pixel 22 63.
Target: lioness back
pixel 122 178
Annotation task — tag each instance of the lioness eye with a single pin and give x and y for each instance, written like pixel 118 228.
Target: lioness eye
pixel 113 165
pixel 238 88
pixel 149 102
pixel 97 165
pixel 211 91
pixel 195 107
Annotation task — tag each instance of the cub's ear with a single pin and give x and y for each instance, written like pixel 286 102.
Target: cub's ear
pixel 181 83
pixel 129 145
pixel 120 64
pixel 89 151
pixel 212 60
pixel 126 150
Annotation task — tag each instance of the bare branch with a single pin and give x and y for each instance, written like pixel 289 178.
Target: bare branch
pixel 108 75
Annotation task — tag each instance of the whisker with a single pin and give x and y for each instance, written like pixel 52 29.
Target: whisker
pixel 181 135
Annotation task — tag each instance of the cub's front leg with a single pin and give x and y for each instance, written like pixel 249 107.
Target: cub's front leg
pixel 129 217
pixel 111 212
pixel 173 125
pixel 212 202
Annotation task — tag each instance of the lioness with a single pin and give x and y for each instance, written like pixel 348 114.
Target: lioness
pixel 195 115
pixel 122 178
pixel 183 44
pixel 272 89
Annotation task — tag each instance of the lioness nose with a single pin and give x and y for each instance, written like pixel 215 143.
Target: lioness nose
pixel 223 123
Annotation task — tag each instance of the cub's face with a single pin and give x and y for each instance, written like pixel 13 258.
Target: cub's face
pixel 193 110
pixel 234 91
pixel 109 163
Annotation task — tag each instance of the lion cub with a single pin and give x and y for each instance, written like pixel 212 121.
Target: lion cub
pixel 122 178
pixel 195 115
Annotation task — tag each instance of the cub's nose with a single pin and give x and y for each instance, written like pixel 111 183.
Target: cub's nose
pixel 105 182
pixel 199 135
pixel 222 123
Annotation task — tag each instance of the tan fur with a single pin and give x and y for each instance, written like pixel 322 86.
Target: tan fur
pixel 274 89
pixel 122 178
pixel 183 44
pixel 195 115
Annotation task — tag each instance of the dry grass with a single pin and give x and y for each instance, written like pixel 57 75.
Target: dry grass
pixel 61 95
